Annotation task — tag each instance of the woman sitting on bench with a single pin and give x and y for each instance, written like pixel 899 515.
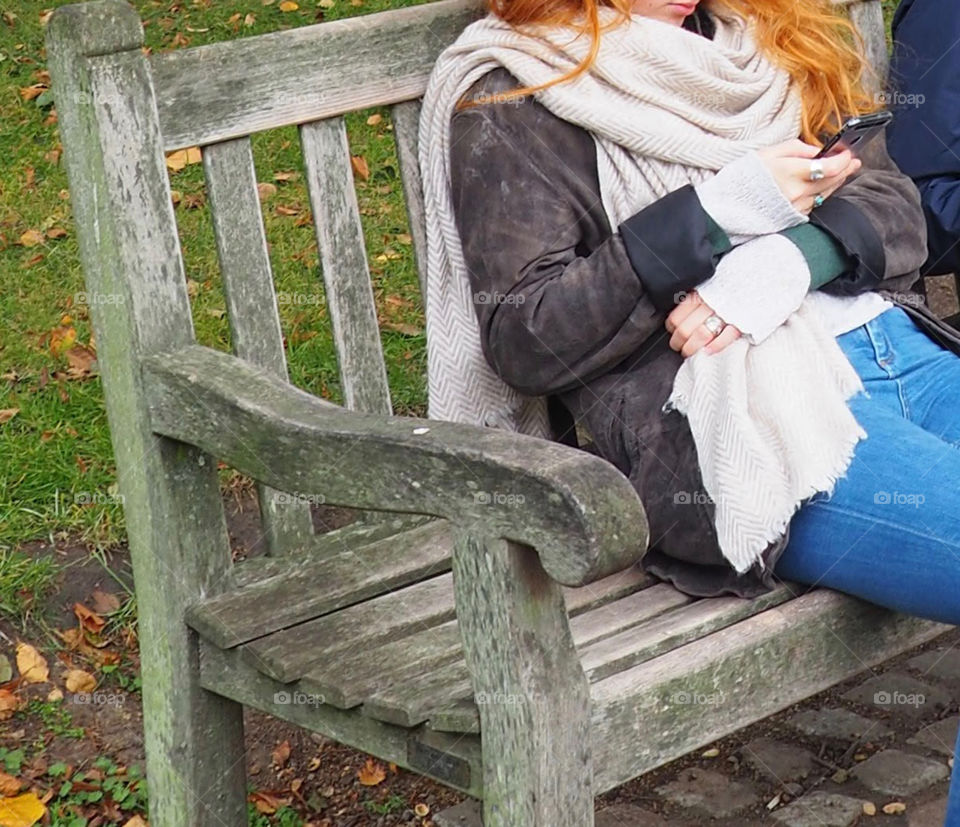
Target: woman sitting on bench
pixel 648 249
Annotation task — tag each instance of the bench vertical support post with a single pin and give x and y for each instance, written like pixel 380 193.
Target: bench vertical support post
pixel 136 286
pixel 531 691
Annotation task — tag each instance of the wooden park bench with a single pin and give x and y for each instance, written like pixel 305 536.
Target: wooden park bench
pixel 495 633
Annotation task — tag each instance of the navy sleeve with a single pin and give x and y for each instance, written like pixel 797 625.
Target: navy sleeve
pixel 924 137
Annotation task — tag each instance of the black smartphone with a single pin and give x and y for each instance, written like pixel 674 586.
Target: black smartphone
pixel 856 133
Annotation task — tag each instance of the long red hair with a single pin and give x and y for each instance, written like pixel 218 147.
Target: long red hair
pixel 819 47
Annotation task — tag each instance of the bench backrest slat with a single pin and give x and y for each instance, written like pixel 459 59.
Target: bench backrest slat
pixel 251 301
pixel 210 93
pixel 406 127
pixel 343 258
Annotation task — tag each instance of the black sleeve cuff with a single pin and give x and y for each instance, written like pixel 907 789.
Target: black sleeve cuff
pixel 854 232
pixel 673 246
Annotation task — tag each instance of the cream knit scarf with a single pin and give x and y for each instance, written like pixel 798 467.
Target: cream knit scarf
pixel 666 107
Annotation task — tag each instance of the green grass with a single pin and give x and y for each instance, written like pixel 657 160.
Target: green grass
pixel 56 464
pixel 24 582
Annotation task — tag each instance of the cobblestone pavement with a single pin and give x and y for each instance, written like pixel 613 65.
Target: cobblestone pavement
pixel 876 749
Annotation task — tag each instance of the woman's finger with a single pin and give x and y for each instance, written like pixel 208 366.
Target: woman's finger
pixel 687 327
pixel 682 310
pixel 698 339
pixel 726 337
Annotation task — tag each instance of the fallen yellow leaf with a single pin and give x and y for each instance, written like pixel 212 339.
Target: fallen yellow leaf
pixel 136 821
pixel 288 5
pixel 180 158
pixel 31 238
pixel 76 680
pixel 371 774
pixel 22 811
pixel 32 665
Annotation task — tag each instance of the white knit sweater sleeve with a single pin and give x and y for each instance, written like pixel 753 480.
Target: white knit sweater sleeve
pixel 746 201
pixel 757 285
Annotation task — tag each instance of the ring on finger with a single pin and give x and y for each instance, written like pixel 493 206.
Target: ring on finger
pixel 714 324
pixel 818 200
pixel 816 169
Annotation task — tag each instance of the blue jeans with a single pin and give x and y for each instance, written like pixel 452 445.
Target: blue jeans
pixel 890 532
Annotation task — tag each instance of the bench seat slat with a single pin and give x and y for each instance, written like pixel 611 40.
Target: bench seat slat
pixel 663 620
pixel 696 693
pixel 314 587
pixel 286 655
pixel 409 612
pixel 346 679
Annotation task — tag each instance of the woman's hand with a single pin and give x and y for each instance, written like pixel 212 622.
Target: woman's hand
pixel 685 323
pixel 789 164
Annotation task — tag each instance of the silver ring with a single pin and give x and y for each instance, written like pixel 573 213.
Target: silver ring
pixel 816 170
pixel 818 200
pixel 714 324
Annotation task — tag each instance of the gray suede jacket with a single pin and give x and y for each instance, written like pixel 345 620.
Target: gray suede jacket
pixel 581 306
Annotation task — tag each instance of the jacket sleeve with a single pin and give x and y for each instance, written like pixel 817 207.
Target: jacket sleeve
pixel 877 219
pixel 560 298
pixel 941 206
pixel 924 137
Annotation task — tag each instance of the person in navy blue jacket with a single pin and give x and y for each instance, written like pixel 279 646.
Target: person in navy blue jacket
pixel 924 137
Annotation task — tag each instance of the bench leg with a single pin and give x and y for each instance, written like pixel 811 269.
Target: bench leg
pixel 530 688
pixel 195 758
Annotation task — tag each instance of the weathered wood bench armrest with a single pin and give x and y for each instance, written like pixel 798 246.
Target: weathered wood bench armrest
pixel 580 513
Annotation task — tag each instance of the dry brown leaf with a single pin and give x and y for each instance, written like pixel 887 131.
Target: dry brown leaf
pixel 249 20
pixel 56 232
pixel 371 774
pixel 282 209
pixel 8 704
pixel 88 618
pixel 9 785
pixel 360 168
pixel 403 329
pixel 373 120
pixel 894 808
pixel 31 238
pixel 6 414
pixel 422 810
pixel 80 360
pixel 281 754
pixel 30 262
pixel 21 811
pixel 28 93
pixel 290 175
pixel 105 602
pixel 136 821
pixel 52 157
pixel 32 665
pixel 266 190
pixel 265 802
pixel 54 695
